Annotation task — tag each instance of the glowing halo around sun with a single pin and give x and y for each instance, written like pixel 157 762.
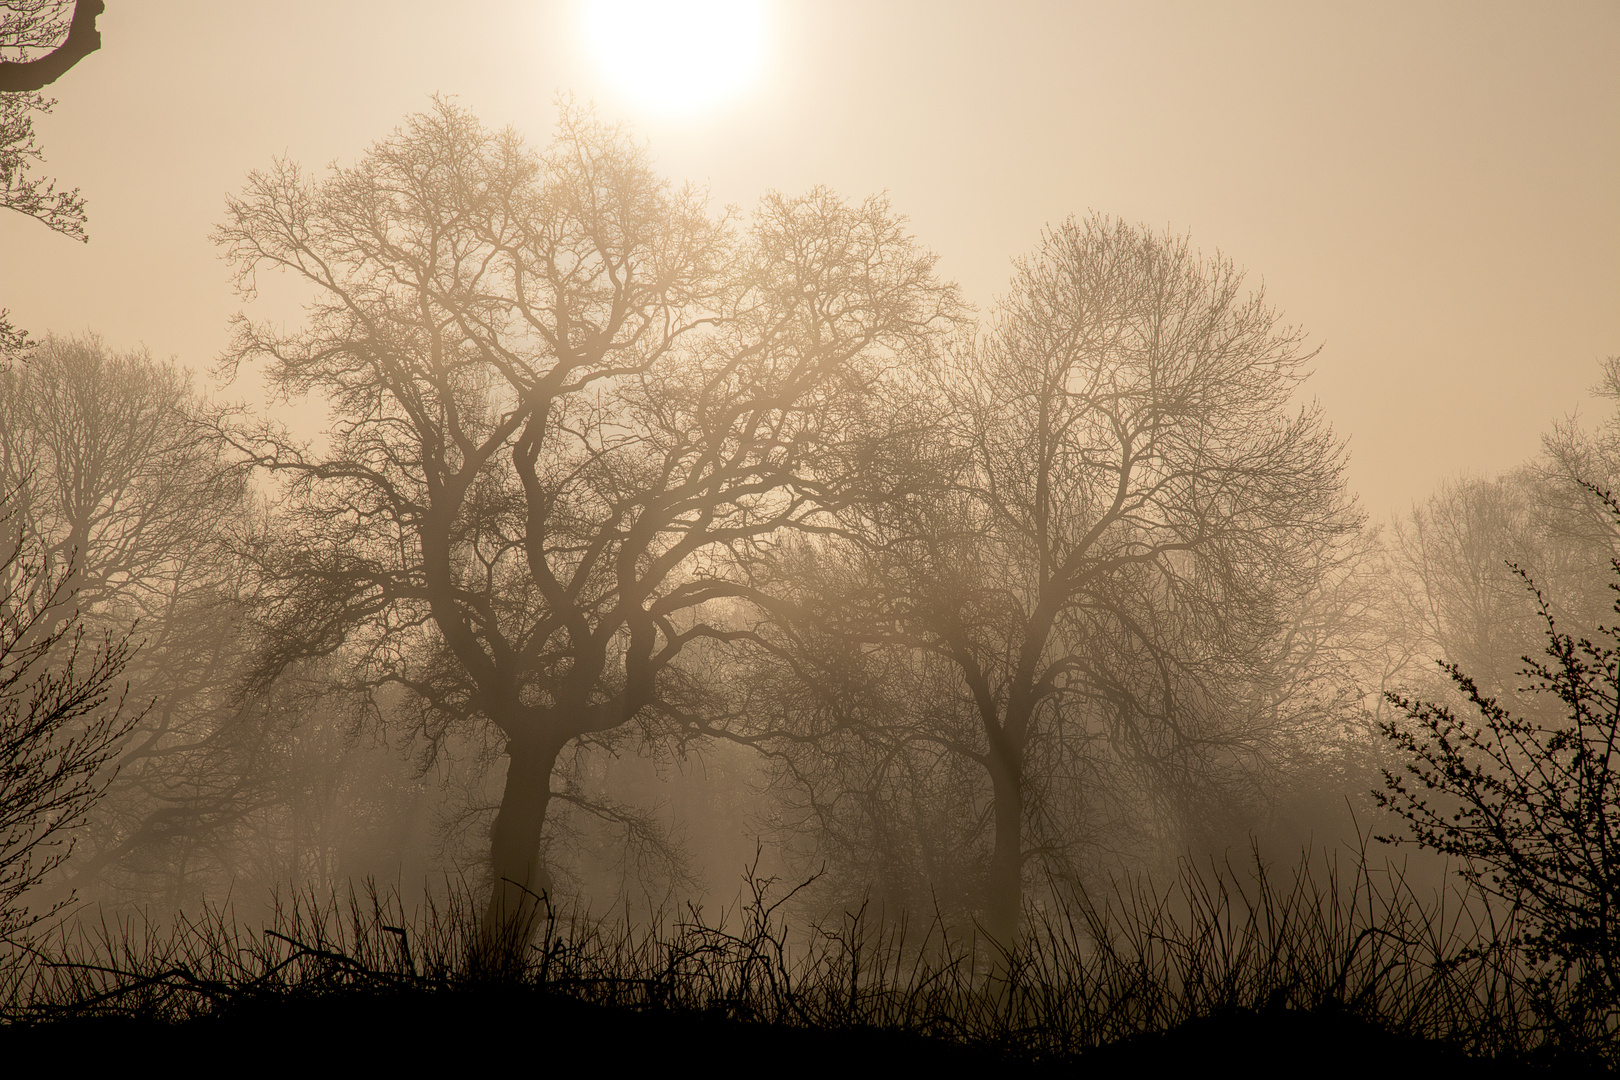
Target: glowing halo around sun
pixel 678 56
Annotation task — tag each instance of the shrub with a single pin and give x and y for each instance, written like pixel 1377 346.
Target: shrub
pixel 1529 805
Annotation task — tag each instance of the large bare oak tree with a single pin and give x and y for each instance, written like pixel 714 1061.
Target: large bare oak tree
pixel 567 405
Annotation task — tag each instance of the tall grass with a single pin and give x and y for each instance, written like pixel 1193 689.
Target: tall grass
pixel 1335 934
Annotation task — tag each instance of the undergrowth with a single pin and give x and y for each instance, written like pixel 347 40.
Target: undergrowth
pixel 1334 935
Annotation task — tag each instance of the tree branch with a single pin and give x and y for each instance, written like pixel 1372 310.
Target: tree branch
pixel 22 76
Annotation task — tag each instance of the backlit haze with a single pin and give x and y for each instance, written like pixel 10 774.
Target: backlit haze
pixel 1432 191
pixel 678 59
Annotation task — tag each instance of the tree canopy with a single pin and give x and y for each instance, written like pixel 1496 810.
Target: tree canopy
pixel 1124 511
pixel 568 407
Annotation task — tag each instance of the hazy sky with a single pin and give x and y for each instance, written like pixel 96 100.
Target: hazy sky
pixel 1431 190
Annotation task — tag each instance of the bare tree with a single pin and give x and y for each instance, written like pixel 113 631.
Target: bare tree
pixel 1574 464
pixel 112 473
pixel 114 481
pixel 1452 586
pixel 1126 511
pixel 1456 593
pixel 566 401
pixel 61 720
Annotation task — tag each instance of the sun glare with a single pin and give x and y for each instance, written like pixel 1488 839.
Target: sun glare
pixel 678 56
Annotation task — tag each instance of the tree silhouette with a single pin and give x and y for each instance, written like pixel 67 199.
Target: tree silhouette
pixel 61 721
pixel 114 481
pixel 567 406
pixel 1120 513
pixel 1531 805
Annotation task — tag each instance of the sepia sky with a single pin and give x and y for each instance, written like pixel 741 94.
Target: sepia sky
pixel 1431 190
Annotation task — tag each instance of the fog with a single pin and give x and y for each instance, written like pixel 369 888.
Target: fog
pixel 892 463
pixel 1427 190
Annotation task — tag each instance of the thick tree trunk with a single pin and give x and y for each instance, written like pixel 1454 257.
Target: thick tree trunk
pixel 1005 887
pixel 521 881
pixel 18 76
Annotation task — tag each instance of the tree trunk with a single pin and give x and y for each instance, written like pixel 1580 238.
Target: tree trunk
pixel 1004 901
pixel 521 881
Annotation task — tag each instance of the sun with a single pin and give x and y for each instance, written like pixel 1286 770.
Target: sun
pixel 678 56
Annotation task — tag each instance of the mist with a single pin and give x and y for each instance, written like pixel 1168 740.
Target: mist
pixel 1035 538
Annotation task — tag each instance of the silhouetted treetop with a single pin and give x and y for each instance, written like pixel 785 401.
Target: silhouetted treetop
pixel 567 403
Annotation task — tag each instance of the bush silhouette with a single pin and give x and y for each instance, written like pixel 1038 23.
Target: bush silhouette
pixel 1530 805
